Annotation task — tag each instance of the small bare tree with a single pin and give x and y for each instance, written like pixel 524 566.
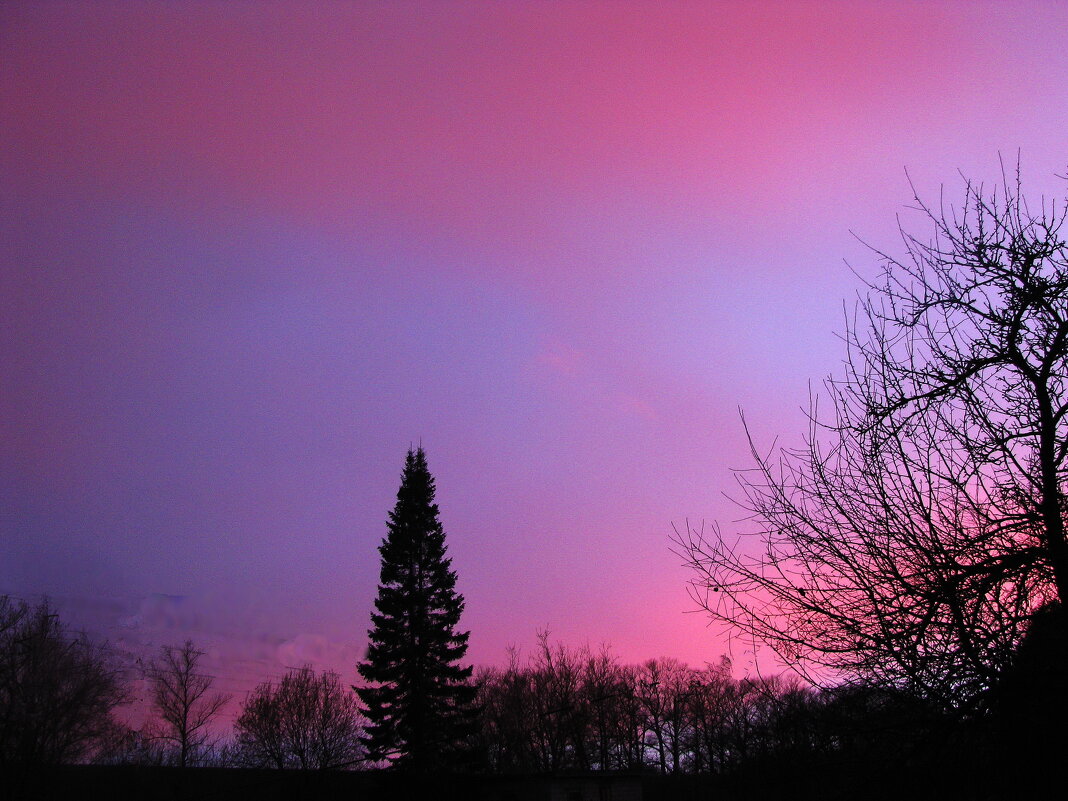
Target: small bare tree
pixel 911 540
pixel 182 700
pixel 307 721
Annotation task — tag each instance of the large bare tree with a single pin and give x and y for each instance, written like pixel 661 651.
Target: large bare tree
pixel 912 538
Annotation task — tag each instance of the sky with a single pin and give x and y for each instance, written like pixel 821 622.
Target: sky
pixel 250 253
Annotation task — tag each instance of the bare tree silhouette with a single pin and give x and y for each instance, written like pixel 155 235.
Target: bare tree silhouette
pixel 181 700
pixel 307 721
pixel 910 541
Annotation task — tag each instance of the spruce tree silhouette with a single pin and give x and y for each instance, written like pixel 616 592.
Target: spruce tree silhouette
pixel 418 699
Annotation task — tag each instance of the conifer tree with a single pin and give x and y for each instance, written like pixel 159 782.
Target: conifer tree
pixel 417 694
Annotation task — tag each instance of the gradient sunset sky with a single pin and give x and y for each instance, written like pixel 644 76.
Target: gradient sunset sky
pixel 251 252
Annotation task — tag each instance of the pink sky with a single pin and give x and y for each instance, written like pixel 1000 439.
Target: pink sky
pixel 250 252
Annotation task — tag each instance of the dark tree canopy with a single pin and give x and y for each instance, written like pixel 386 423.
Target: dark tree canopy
pixel 912 539
pixel 418 695
pixel 57 689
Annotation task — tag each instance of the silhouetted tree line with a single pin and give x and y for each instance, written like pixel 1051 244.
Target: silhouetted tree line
pixel 565 709
pixel 573 709
pixel 61 696
pixel 562 709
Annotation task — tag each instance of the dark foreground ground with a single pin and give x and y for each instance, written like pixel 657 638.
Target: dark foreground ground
pixel 888 781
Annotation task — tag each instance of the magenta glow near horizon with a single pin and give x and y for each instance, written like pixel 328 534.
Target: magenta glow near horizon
pixel 250 253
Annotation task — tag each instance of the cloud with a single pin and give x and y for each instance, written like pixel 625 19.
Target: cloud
pixel 161 613
pixel 318 651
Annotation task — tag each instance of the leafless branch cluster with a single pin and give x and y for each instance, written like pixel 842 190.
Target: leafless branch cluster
pixel 307 721
pixel 911 539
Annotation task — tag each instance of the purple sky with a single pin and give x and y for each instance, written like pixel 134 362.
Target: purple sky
pixel 249 253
